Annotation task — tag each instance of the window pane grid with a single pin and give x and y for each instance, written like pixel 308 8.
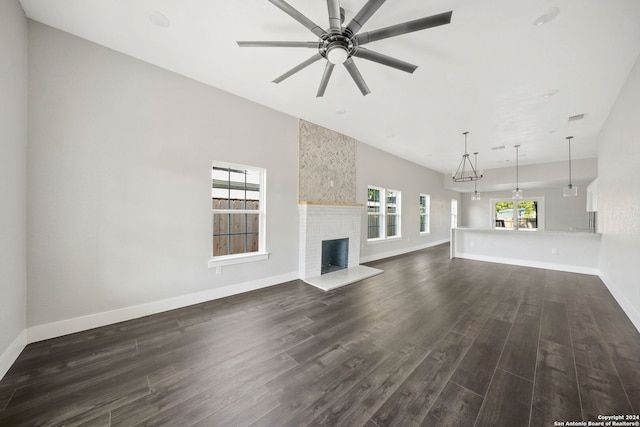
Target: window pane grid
pixel 424 213
pixel 373 200
pixel 236 210
pixel 374 227
pixel 383 211
pixel 392 225
pixel 525 216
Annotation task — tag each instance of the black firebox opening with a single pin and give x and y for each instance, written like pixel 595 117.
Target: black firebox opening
pixel 335 255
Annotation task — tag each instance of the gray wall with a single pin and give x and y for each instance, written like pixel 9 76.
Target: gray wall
pixel 561 213
pixel 619 197
pixel 375 167
pixel 119 180
pixel 13 174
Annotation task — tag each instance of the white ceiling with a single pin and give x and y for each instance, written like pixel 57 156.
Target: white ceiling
pixel 489 72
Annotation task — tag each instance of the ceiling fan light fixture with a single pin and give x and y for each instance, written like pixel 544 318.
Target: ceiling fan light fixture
pixel 337 54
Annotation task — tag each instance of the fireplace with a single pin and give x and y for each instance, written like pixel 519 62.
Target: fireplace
pixel 341 225
pixel 335 255
pixel 320 223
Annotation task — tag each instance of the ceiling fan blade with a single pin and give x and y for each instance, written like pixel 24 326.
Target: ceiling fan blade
pixel 292 12
pixel 385 60
pixel 325 79
pixel 357 77
pixel 334 16
pixel 313 45
pixel 405 27
pixel 363 16
pixel 298 67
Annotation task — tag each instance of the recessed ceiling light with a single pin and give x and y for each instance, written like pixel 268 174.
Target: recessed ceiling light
pixel 341 111
pixel 158 19
pixel 547 17
pixel 551 93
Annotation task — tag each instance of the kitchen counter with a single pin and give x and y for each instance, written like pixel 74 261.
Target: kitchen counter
pixel 573 251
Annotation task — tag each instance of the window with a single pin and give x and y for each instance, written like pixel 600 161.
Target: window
pixel 425 201
pixel 383 213
pixel 527 215
pixel 393 213
pixel 375 216
pixel 454 213
pixel 238 214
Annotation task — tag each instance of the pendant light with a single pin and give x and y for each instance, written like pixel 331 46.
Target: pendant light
pixel 475 195
pixel 517 193
pixel 466 172
pixel 570 190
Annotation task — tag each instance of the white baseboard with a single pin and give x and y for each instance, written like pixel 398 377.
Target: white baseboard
pixel 11 354
pixel 77 324
pixel 631 311
pixel 535 264
pixel 402 251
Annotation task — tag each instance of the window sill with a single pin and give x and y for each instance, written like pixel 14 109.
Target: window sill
pixel 237 259
pixel 383 240
pixel 425 233
pixel 375 241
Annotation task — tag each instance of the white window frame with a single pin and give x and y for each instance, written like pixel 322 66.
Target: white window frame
pixel 261 254
pixel 397 214
pixel 539 214
pixel 426 214
pixel 380 213
pixel 383 215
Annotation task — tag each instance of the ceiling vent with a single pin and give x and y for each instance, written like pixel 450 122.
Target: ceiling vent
pixel 498 147
pixel 576 117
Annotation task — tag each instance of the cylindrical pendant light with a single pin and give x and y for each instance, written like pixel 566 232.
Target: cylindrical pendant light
pixel 517 193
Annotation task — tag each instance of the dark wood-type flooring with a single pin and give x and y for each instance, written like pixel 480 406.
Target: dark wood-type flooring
pixel 432 341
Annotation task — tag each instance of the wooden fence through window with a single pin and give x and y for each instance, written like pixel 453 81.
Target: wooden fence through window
pixel 235 233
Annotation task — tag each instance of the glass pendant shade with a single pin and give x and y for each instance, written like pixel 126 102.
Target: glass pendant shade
pixel 475 195
pixel 516 194
pixel 570 190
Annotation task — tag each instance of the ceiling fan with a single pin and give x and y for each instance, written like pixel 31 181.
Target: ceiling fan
pixel 338 44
